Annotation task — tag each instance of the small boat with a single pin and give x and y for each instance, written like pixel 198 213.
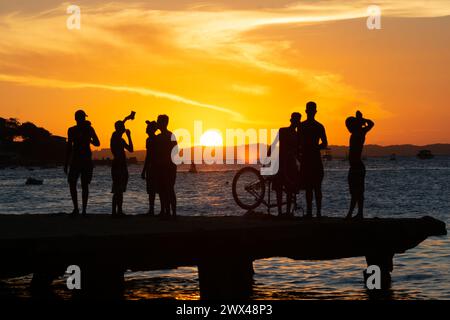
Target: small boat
pixel 393 157
pixel 34 182
pixel 425 154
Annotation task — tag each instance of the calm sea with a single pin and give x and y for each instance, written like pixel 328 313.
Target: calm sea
pixel 408 187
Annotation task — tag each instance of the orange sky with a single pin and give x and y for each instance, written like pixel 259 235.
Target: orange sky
pixel 247 64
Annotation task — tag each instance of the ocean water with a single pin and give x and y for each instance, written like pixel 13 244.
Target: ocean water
pixel 408 187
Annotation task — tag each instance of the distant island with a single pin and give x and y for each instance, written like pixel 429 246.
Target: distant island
pixel 25 144
pixel 402 150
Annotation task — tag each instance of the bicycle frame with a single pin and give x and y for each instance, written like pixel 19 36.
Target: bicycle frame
pixel 257 189
pixel 268 185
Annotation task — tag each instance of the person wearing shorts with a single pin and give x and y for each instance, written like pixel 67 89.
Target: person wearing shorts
pixel 286 179
pixel 358 127
pixel 149 172
pixel 119 169
pixel 78 163
pixel 312 139
pixel 166 170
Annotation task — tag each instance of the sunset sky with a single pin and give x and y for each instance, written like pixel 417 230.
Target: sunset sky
pixel 231 64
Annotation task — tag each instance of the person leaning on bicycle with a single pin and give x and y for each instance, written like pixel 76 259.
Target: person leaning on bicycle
pixel 287 177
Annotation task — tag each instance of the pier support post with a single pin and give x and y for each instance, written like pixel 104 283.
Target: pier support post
pixel 386 265
pixel 226 278
pixel 101 282
pixel 41 284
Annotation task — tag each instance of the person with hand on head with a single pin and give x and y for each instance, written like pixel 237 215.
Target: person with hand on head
pixel 78 161
pixel 119 169
pixel 358 126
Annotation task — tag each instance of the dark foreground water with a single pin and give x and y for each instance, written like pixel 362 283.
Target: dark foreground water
pixel 407 187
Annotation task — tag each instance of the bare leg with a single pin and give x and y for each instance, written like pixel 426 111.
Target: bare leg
pixel 279 202
pixel 117 203
pixel 151 202
pixel 161 202
pixel 114 204
pixel 288 203
pixel 84 195
pixel 119 199
pixel 360 201
pixel 167 207
pixel 309 198
pixel 352 208
pixel 173 201
pixel 74 196
pixel 165 203
pixel 318 193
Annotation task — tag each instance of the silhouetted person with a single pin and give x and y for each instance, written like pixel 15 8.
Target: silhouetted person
pixel 119 169
pixel 312 139
pixel 79 158
pixel 150 170
pixel 358 127
pixel 287 176
pixel 165 168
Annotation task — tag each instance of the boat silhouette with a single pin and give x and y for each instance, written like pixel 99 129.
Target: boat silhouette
pixel 34 182
pixel 425 154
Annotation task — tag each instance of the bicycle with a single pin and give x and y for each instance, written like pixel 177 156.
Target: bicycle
pixel 249 189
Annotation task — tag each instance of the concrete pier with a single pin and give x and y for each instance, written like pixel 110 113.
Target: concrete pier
pixel 223 248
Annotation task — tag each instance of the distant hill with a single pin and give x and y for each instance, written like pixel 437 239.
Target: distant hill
pixel 27 144
pixel 404 150
pixel 371 150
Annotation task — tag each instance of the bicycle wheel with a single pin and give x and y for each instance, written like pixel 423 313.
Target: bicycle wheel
pixel 248 188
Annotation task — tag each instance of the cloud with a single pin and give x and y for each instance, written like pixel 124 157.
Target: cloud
pixel 250 89
pixel 51 83
pixel 304 8
pixel 186 46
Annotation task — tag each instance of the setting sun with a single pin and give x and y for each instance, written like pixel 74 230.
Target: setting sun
pixel 211 138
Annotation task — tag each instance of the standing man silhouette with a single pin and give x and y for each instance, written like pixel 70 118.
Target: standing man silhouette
pixel 286 178
pixel 358 127
pixel 119 169
pixel 149 172
pixel 165 168
pixel 312 139
pixel 79 158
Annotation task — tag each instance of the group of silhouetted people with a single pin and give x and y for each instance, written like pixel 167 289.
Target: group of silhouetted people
pixel 300 161
pixel 300 143
pixel 159 170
